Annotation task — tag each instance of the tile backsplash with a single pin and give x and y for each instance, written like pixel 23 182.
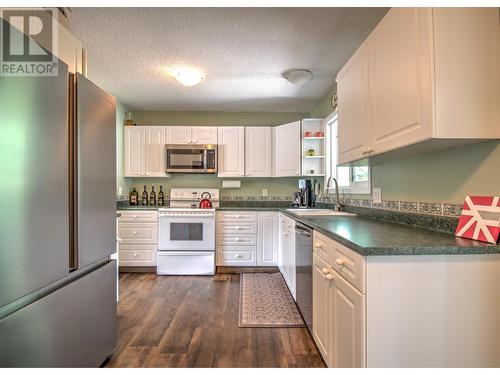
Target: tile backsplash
pixel 439 209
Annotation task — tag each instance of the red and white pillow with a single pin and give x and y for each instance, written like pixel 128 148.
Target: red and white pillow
pixel 480 219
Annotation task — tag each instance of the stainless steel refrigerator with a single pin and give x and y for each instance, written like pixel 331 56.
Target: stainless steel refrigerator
pixel 57 221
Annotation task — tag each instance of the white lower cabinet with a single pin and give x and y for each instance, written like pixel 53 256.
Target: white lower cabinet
pixel 321 307
pixel 247 238
pixel 339 327
pixel 267 242
pixel 347 324
pixel 138 233
pixel 286 251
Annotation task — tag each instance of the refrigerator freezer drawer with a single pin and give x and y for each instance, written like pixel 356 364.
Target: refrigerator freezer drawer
pixel 75 326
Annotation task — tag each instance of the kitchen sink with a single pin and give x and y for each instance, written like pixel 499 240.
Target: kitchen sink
pixel 317 212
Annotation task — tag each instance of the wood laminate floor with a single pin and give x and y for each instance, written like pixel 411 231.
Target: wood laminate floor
pixel 192 321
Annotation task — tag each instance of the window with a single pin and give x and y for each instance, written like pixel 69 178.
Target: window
pixel 351 179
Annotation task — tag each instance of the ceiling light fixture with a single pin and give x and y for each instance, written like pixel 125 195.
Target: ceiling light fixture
pixel 298 76
pixel 187 76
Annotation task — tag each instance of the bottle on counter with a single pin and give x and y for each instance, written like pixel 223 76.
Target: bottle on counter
pixel 161 197
pixel 152 196
pixel 144 200
pixel 133 197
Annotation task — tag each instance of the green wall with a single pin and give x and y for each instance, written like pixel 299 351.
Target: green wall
pixel 445 176
pixel 249 186
pixel 324 107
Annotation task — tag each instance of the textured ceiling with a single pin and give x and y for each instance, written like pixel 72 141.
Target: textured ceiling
pixel 242 51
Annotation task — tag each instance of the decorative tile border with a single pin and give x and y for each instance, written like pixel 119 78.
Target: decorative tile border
pixel 436 209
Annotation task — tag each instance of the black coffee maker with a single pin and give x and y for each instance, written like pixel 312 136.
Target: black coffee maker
pixel 307 196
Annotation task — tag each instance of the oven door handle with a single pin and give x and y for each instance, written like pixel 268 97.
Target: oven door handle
pixel 201 216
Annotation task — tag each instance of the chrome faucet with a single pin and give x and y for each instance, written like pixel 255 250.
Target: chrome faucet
pixel 338 205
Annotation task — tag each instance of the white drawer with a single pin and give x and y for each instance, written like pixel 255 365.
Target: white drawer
pixel 286 231
pixel 237 228
pixel 287 222
pixel 130 216
pixel 236 256
pixel 138 233
pixel 345 261
pixel 137 255
pixel 236 240
pixel 237 216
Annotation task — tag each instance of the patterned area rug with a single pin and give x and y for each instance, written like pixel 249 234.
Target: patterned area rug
pixel 265 301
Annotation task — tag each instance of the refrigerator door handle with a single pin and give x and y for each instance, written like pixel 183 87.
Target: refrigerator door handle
pixel 72 175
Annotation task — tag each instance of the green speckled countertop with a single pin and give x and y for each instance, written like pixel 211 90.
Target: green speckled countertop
pixel 370 237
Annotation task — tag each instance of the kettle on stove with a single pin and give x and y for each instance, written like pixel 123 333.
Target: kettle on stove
pixel 205 200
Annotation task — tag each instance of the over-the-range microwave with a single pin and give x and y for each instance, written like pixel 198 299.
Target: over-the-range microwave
pixel 191 158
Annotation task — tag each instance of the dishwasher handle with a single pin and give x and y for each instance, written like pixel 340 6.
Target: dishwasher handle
pixel 303 230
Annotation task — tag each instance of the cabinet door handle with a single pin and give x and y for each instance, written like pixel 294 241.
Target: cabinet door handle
pixel 136 232
pixel 118 239
pixel 329 276
pixel 318 244
pixel 238 256
pixel 325 270
pixel 135 216
pixel 135 255
pixel 340 261
pixel 147 173
pixel 195 141
pixel 241 174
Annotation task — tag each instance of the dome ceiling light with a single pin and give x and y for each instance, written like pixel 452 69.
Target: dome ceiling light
pixel 298 77
pixel 186 75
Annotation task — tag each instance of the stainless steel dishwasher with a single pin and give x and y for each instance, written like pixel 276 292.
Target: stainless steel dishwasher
pixel 303 268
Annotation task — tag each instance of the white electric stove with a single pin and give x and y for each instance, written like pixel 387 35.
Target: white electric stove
pixel 186 234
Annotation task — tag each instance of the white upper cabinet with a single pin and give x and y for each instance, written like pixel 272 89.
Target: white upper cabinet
pixel 204 135
pixel 133 151
pixel 183 135
pixel 231 151
pixel 178 135
pixel 400 79
pixel 258 151
pixel 154 151
pixel 144 151
pixel 467 60
pixel 286 141
pixel 352 92
pixel 422 74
